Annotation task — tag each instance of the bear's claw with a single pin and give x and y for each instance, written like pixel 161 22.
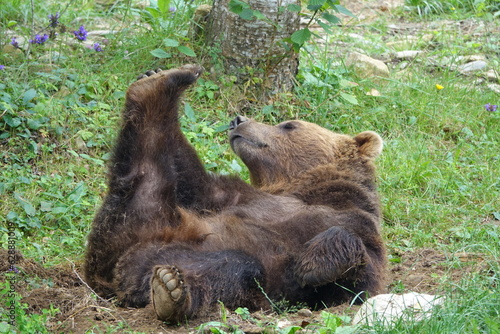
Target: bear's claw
pixel 149 73
pixel 169 293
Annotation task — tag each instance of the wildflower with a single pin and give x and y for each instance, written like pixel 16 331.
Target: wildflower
pixel 14 269
pixel 97 47
pixel 172 9
pixel 2 67
pixel 54 20
pixel 439 87
pixel 14 43
pixel 39 39
pixel 81 34
pixel 490 107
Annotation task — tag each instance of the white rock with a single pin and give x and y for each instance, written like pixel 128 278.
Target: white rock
pixel 388 308
pixel 366 67
pixel 283 323
pixel 409 54
pixel 473 66
pixel 494 87
pixel 493 75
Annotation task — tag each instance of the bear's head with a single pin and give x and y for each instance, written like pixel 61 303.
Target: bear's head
pixel 280 153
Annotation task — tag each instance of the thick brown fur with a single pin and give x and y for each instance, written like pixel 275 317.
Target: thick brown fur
pixel 306 230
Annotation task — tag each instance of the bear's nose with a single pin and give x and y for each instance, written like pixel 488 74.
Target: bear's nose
pixel 237 121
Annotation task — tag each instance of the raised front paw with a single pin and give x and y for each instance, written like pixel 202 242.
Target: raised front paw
pixel 169 293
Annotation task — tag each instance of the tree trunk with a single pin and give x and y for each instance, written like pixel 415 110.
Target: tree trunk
pixel 255 48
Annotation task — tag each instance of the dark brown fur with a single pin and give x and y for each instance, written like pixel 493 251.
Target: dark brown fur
pixel 306 231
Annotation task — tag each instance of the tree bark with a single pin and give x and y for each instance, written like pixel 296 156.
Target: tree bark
pixel 255 48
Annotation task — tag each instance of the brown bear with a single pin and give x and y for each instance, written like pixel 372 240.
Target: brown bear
pixel 169 233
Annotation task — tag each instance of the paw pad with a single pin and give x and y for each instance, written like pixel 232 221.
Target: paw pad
pixel 168 292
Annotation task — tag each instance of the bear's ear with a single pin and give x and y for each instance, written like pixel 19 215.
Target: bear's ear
pixel 370 144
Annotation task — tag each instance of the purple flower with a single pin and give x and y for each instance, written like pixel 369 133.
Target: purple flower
pixel 97 47
pixel 81 34
pixel 172 9
pixel 14 269
pixel 490 107
pixel 54 20
pixel 39 39
pixel 14 43
pixel 2 67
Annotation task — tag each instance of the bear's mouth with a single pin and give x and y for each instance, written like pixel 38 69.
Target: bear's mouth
pixel 234 137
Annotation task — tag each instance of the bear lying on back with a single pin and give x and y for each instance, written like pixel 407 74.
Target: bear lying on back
pixel 169 233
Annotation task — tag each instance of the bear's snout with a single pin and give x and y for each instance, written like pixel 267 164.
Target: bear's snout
pixel 237 121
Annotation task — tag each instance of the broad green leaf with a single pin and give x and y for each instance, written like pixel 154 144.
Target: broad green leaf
pixel 315 5
pixel 170 42
pixel 259 15
pixel 349 98
pixel 301 36
pixel 45 206
pixel 59 209
pixel 330 18
pixel 153 12
pixel 12 216
pixel 29 95
pixel 319 3
pixel 347 330
pixel 326 27
pixel 189 112
pixel 343 10
pixel 247 14
pixel 290 330
pixel 186 50
pixel 163 6
pixel 312 80
pixel 159 53
pixel 27 206
pixel 331 321
pixel 294 7
pixel 237 6
pixel 13 122
pixel 33 124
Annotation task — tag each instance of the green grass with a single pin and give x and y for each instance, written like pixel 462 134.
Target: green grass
pixel 439 174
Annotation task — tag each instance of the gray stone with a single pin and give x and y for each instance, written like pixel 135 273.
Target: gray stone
pixel 408 55
pixel 492 75
pixel 473 66
pixel 494 87
pixel 304 313
pixel 366 67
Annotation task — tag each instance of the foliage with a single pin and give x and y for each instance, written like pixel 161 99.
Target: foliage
pixel 480 8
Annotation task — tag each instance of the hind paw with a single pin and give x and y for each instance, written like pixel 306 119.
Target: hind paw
pixel 169 293
pixel 149 73
pixel 147 86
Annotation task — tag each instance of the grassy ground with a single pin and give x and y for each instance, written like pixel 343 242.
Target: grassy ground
pixel 60 105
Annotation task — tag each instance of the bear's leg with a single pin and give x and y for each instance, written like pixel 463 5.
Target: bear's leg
pixel 333 256
pixel 185 283
pixel 141 197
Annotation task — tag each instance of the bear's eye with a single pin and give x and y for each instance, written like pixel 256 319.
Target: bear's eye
pixel 288 126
